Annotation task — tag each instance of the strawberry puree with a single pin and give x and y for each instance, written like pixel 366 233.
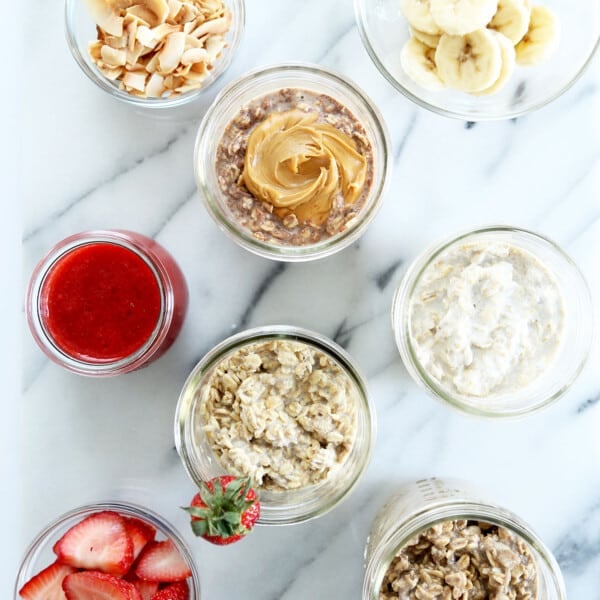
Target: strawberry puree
pixel 100 301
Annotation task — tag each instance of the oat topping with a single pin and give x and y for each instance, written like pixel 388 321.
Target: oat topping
pixel 280 412
pixel 158 48
pixel 259 217
pixel 462 560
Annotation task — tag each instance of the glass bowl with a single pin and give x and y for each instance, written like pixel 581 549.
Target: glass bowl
pixel 418 506
pixel 268 80
pixel 576 333
pixel 384 30
pixel 277 507
pixel 80 30
pixel 39 555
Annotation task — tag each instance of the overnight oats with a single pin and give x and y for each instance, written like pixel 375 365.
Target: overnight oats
pixel 291 161
pixel 486 321
pixel 284 407
pixel 438 540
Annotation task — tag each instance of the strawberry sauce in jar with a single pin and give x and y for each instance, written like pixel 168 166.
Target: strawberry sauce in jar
pixel 103 303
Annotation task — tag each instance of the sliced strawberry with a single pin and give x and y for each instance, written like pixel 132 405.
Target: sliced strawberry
pixel 46 585
pixel 161 561
pixel 147 589
pixel 98 542
pixel 140 533
pixel 94 585
pixel 173 591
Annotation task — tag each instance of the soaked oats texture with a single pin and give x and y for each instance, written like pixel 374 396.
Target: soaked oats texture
pixel 462 560
pixel 280 412
pixel 257 216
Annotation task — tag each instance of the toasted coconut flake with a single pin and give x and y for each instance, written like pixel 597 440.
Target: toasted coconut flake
pixel 194 55
pixel 170 56
pixel 214 45
pixel 152 64
pixel 111 72
pixel 174 8
pixel 155 86
pixel 133 56
pixel 105 17
pixel 220 25
pixel 135 80
pixel 113 57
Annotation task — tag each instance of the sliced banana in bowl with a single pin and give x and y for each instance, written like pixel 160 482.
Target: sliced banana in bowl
pixel 540 39
pixel 469 63
pixel 508 55
pixel 418 60
pixel 459 17
pixel 511 19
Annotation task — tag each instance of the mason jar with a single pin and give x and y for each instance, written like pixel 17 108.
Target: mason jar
pixel 418 506
pixel 95 286
pixel 291 505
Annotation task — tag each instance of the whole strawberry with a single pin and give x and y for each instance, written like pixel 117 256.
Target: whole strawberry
pixel 224 510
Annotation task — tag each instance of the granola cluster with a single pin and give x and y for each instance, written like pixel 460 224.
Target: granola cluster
pixel 280 412
pixel 462 560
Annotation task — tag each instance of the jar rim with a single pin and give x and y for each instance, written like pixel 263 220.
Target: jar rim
pixel 36 287
pixel 450 510
pixel 381 152
pixel 400 314
pixel 273 514
pixel 130 509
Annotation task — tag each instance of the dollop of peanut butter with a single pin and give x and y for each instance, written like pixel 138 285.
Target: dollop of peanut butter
pixel 301 166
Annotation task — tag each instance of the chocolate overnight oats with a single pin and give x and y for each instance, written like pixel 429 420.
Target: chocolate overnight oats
pixel 295 167
pixel 462 559
pixel 281 412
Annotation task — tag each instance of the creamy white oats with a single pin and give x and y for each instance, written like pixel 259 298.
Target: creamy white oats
pixel 486 318
pixel 280 412
pixel 462 559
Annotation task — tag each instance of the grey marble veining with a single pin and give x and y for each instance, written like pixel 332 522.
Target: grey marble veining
pixel 93 163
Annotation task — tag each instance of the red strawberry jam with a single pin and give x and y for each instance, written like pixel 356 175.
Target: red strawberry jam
pixel 102 302
pixel 106 302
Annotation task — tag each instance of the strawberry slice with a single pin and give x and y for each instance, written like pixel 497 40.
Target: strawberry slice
pixel 147 589
pixel 161 561
pixel 140 533
pixel 46 585
pixel 94 585
pixel 98 542
pixel 174 591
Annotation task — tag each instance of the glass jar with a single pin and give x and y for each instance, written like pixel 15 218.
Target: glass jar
pixel 576 334
pixel 80 30
pixel 277 507
pixel 172 293
pixel 418 506
pixel 39 555
pixel 269 80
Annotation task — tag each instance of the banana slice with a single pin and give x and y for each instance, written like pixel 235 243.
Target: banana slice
pixel 418 61
pixel 541 38
pixel 511 19
pixel 418 15
pixel 507 51
pixel 469 63
pixel 425 38
pixel 458 17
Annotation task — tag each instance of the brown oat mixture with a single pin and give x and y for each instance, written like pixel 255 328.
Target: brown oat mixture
pixel 462 560
pixel 258 216
pixel 280 412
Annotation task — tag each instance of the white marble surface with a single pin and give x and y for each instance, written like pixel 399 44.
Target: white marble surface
pixel 93 163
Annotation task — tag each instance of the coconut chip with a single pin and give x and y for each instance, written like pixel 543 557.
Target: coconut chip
pixel 158 48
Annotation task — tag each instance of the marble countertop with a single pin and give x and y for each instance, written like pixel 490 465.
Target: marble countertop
pixel 93 163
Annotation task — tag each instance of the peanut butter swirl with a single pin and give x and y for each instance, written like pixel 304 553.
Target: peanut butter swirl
pixel 300 166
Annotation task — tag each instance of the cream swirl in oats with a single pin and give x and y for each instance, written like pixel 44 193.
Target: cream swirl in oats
pixel 295 167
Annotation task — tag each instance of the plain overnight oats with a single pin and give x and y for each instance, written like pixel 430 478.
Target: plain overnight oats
pixel 460 559
pixel 279 411
pixel 486 318
pixel 295 167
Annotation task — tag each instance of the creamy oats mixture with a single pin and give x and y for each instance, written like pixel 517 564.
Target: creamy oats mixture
pixel 486 318
pixel 462 559
pixel 280 412
pixel 295 167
